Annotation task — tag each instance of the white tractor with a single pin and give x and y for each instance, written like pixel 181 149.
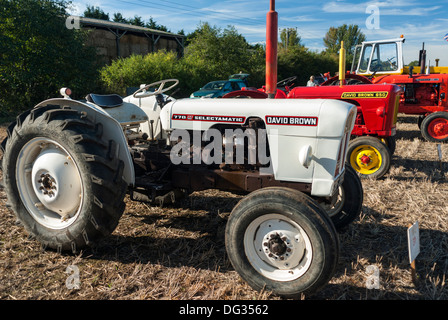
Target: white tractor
pixel 68 164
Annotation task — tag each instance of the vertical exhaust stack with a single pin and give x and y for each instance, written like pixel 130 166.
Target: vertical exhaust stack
pixel 422 59
pixel 271 50
pixel 342 62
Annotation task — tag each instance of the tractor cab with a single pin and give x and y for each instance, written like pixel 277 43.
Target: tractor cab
pixel 379 57
pixel 385 57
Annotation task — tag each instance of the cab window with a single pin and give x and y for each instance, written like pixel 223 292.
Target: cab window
pixel 364 63
pixel 384 58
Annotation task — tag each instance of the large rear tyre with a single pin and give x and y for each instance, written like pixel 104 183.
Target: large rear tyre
pixel 62 180
pixel 369 157
pixel 434 127
pixel 280 240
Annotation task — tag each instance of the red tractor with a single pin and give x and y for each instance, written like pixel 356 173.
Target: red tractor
pixel 373 142
pixel 425 88
pixel 373 136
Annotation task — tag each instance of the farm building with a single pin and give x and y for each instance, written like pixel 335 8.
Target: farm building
pixel 113 40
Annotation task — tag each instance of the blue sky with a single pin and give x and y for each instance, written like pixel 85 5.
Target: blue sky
pixel 419 21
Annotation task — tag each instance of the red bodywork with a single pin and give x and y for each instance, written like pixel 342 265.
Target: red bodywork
pixel 271 50
pixel 377 116
pixel 422 93
pixel 377 105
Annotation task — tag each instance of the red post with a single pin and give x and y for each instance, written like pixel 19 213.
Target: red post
pixel 271 50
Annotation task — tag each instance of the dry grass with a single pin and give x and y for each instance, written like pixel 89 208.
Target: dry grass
pixel 178 253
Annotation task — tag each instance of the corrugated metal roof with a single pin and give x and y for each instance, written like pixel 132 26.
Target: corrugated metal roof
pixel 124 26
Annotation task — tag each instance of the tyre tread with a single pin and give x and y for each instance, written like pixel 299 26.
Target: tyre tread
pixel 105 178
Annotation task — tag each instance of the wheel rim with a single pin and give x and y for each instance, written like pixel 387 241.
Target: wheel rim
pixel 49 183
pixel 277 247
pixel 438 128
pixel 366 159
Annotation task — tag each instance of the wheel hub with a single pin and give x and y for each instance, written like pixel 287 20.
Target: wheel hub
pixel 277 247
pixel 56 181
pixel 280 247
pixel 365 159
pixel 49 183
pixel 441 129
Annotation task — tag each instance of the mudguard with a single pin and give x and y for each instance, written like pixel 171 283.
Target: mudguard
pixel 112 130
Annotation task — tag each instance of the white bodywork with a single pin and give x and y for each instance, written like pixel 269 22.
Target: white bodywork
pixel 335 121
pixel 300 152
pixel 374 54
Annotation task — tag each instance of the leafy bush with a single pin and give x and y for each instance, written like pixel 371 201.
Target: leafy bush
pixel 138 69
pixel 212 54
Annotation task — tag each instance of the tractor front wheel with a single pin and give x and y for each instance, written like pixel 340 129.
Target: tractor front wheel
pixel 280 240
pixel 434 127
pixel 369 157
pixel 349 200
pixel 391 144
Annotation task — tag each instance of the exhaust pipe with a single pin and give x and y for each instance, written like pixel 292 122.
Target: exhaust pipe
pixel 422 60
pixel 271 51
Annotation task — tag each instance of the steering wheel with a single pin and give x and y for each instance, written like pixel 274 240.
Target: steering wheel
pixel 392 63
pixel 143 93
pixel 286 81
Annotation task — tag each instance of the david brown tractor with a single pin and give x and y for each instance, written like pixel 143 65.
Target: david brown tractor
pixel 67 166
pixel 425 88
pixel 373 137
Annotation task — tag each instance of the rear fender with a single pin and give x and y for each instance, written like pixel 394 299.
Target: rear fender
pixel 112 130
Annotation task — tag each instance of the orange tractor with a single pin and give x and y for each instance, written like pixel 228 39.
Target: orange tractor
pixel 425 87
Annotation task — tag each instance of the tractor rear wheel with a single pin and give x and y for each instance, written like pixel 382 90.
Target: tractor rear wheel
pixel 61 179
pixel 280 240
pixel 434 127
pixel 369 157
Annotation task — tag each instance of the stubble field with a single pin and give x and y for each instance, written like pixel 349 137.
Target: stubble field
pixel 177 253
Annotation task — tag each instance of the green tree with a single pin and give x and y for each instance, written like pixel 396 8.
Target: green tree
pixel 39 54
pixel 95 13
pixel 222 52
pixel 301 62
pixel 152 24
pixel 350 34
pixel 137 21
pixel 118 17
pixel 289 38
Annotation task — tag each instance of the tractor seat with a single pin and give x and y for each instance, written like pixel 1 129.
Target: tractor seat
pixel 105 101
